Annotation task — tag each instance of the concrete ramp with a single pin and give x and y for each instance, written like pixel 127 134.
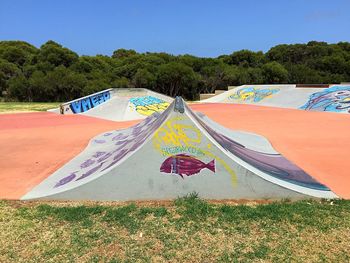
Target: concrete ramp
pixel 174 153
pixel 336 98
pixel 118 104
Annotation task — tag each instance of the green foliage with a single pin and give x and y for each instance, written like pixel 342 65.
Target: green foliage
pixel 246 58
pixel 56 55
pixel 18 87
pixel 275 73
pixel 123 53
pixel 58 85
pixel 143 79
pixel 191 207
pixel 176 79
pixel 187 230
pixel 8 71
pixel 55 73
pixel 17 52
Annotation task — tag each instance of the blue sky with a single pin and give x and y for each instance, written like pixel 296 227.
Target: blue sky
pixel 198 27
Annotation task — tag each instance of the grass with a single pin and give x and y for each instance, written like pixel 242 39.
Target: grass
pixel 186 230
pixel 11 107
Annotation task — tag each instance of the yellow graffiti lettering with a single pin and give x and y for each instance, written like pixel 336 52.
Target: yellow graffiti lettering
pixel 252 94
pixel 148 110
pixel 175 134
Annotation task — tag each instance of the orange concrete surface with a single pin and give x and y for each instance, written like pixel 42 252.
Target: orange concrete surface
pixel 318 142
pixel 34 145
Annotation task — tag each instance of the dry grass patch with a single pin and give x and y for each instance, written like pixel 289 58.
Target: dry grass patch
pixel 186 230
pixel 17 107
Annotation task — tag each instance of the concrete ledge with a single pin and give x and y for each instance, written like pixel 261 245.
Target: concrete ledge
pixel 206 96
pixel 219 91
pixel 312 85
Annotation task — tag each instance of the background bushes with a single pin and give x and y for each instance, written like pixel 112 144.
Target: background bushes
pixel 55 73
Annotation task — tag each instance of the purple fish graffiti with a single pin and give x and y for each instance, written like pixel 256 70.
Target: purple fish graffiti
pixel 183 164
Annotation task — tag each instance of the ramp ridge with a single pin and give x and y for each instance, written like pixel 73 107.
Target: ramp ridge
pixel 179 105
pixel 169 145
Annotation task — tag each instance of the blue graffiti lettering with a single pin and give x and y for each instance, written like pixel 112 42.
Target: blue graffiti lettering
pixel 89 102
pixel 144 101
pixel 76 106
pixel 106 95
pixel 86 104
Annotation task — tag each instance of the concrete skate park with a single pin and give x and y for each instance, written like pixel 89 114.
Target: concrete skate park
pixel 250 142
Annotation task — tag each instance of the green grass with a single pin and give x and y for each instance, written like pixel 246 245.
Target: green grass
pixel 186 230
pixel 11 107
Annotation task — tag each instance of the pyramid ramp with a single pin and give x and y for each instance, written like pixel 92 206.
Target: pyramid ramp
pixel 175 153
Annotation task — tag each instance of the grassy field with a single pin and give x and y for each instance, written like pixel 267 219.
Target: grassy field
pixel 12 107
pixel 186 230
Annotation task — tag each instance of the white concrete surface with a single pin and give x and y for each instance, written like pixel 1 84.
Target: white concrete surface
pixel 288 96
pixel 200 155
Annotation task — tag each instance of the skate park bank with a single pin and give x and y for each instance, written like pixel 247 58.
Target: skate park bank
pixel 255 151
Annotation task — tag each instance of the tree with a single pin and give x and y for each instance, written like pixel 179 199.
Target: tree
pixel 218 76
pixel 122 83
pixel 275 73
pixel 304 74
pixel 3 83
pixel 19 89
pixel 143 79
pixel 56 54
pixel 333 64
pixel 64 84
pixel 177 79
pixel 17 52
pixel 94 85
pixel 61 84
pixel 123 53
pixel 245 58
pixel 55 73
pixel 194 62
pixel 15 55
pixel 7 72
pixel 39 90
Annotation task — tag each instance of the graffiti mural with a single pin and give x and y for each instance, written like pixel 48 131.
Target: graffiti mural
pixel 148 105
pixel 184 164
pixel 185 151
pixel 88 103
pixel 335 99
pixel 274 165
pixel 252 94
pixel 123 144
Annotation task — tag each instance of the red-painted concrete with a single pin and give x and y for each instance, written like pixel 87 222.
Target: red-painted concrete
pixel 318 142
pixel 34 145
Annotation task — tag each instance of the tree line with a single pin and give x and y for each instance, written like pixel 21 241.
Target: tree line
pixel 56 73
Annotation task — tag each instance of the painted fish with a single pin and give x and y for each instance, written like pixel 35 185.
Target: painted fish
pixel 183 164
